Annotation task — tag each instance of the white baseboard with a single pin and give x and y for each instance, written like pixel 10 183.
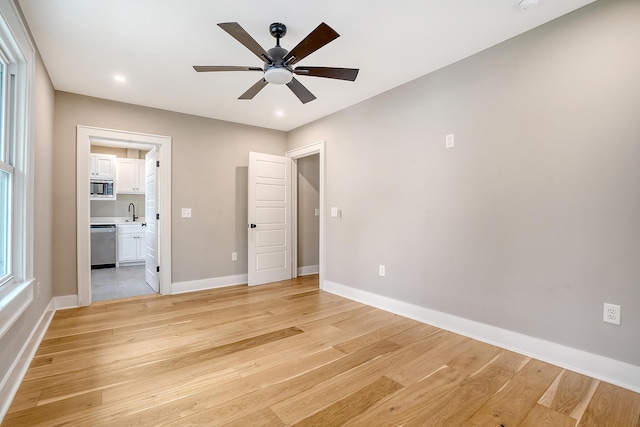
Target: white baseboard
pixel 309 269
pixel 603 368
pixel 212 283
pixel 11 382
pixel 66 301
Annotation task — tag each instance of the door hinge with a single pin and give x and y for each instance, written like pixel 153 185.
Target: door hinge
pixel 158 269
pixel 157 216
pixel 157 163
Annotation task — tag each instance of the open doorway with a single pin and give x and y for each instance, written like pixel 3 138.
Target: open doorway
pixel 131 202
pixel 312 160
pixel 121 208
pixel 308 215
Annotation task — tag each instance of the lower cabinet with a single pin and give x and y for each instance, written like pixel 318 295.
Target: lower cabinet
pixel 131 243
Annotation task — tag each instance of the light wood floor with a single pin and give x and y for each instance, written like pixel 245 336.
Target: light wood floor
pixel 289 354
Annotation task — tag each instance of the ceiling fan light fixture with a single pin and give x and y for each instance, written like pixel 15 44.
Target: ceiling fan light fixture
pixel 278 76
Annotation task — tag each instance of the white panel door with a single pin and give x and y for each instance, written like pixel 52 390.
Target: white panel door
pixel 150 210
pixel 269 233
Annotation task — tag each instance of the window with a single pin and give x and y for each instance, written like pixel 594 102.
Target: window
pixel 16 192
pixel 6 187
pixel 6 175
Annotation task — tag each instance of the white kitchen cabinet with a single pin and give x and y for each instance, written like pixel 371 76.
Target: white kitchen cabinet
pixel 131 246
pixel 102 166
pixel 130 176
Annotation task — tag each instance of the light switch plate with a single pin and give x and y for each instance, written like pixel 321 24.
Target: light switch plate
pixel 186 212
pixel 334 212
pixel 449 141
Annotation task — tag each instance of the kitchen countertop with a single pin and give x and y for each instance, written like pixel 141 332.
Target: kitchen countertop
pixel 100 220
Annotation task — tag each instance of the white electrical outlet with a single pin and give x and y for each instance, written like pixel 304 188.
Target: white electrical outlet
pixel 37 290
pixel 381 270
pixel 611 313
pixel 234 256
pixel 186 212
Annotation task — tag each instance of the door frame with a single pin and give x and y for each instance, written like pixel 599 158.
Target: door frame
pixel 84 136
pixel 295 154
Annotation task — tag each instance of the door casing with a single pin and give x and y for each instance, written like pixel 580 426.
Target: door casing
pixel 84 136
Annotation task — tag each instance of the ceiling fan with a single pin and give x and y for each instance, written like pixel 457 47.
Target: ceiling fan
pixel 278 62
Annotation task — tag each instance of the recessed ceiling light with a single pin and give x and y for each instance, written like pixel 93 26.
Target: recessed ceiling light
pixel 525 4
pixel 119 78
pixel 279 113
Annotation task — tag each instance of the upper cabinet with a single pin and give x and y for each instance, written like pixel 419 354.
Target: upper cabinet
pixel 102 166
pixel 130 176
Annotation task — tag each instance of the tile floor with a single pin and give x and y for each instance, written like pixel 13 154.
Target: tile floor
pixel 122 282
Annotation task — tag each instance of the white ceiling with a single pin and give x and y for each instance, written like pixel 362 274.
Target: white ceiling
pixel 154 43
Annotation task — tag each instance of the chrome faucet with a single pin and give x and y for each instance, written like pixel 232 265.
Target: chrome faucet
pixel 131 205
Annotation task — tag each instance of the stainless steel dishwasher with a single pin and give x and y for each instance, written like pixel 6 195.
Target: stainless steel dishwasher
pixel 103 246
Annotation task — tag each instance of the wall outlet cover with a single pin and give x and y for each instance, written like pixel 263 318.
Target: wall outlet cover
pixel 611 313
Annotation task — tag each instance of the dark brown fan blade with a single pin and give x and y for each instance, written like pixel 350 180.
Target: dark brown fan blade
pixel 205 68
pixel 319 37
pixel 237 32
pixel 300 91
pixel 253 90
pixel 328 72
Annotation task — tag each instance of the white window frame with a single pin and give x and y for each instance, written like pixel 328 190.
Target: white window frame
pixel 19 56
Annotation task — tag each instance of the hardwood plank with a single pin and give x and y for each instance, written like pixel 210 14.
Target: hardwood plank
pixel 612 406
pixel 159 367
pixel 325 393
pixel 40 414
pixel 270 395
pixel 24 401
pixel 288 353
pixel 518 397
pixel 353 405
pixel 570 394
pixel 412 401
pixel 444 347
pixel 166 404
pixel 390 329
pixel 456 406
pixel 474 358
pixel 416 333
pixel 262 418
pixel 542 416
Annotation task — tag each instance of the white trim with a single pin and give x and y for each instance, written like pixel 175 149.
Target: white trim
pixel 603 368
pixel 294 216
pixel 14 301
pixel 12 380
pixel 86 134
pixel 17 293
pixel 65 301
pixel 308 270
pixel 309 150
pixel 212 283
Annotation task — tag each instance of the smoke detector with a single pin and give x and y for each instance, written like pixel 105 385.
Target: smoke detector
pixel 525 4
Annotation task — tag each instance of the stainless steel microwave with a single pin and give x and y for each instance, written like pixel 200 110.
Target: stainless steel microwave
pixel 102 189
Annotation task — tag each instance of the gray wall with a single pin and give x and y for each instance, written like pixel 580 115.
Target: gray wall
pixel 13 341
pixel 209 175
pixel 531 222
pixel 308 202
